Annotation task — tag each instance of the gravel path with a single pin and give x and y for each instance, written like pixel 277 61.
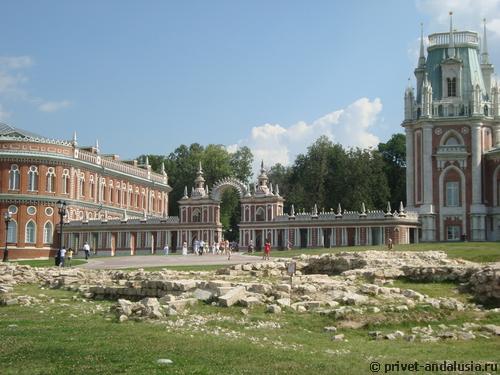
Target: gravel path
pixel 162 260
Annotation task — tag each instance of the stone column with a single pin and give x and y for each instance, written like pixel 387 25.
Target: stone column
pixel 427 165
pixel 410 172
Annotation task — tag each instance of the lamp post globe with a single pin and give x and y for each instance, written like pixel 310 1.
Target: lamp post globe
pixel 7 218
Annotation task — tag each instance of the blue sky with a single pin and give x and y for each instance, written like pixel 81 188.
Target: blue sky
pixel 147 76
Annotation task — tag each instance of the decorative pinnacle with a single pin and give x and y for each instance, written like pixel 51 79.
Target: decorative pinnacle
pixel 97 145
pixel 484 54
pixel 451 44
pixel 421 58
pixel 75 143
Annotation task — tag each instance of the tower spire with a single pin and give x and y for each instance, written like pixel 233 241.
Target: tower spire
pixel 484 54
pixel 421 58
pixel 451 44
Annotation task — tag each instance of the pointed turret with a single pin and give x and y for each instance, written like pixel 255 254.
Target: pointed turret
pixel 486 68
pixel 484 53
pixel 363 210
pixel 185 196
pixel 421 57
pixel 277 191
pixel 315 210
pixel 74 142
pixel 339 211
pixel 162 171
pixel 402 212
pixel 97 146
pixel 389 210
pixel 292 210
pixel 146 162
pixel 451 42
pixel 262 188
pixel 426 98
pixel 409 101
pixel 199 182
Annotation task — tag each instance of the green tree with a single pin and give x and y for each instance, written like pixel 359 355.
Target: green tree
pixel 394 156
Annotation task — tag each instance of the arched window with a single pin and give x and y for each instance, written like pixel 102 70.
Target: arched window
pixel 33 178
pixel 14 177
pixel 151 202
pixel 30 232
pixel 196 218
pixel 65 181
pixel 452 86
pixel 81 181
pixel 51 180
pixel 91 187
pixel 136 197
pixel 12 232
pixel 452 141
pixel 260 214
pixel 48 233
pixel 102 189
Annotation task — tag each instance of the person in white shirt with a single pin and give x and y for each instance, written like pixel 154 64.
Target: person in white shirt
pixel 86 248
pixel 165 249
pixel 62 254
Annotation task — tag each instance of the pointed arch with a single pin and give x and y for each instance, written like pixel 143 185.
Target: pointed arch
pixel 449 135
pixel 14 177
pixel 260 214
pixel 30 232
pixel 48 232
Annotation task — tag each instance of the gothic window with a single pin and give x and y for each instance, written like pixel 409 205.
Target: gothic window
pixel 102 190
pixel 65 181
pixel 30 232
pixel 12 232
pixel 33 178
pixel 452 86
pixel 51 178
pixel 452 191
pixel 14 177
pixel 486 110
pixel 196 216
pixel 260 214
pixel 47 233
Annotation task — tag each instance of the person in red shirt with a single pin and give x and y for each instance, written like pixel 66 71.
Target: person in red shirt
pixel 267 250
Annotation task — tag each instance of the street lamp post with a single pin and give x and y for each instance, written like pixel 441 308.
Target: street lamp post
pixel 61 206
pixel 7 217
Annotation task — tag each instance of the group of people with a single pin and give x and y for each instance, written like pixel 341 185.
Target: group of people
pixel 63 257
pixel 223 247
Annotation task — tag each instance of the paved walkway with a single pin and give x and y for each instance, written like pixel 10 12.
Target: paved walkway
pixel 137 261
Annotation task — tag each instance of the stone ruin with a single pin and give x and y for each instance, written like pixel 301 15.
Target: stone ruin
pixel 339 285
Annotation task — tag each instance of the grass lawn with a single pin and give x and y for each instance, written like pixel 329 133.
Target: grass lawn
pixel 47 262
pixel 78 337
pixel 473 251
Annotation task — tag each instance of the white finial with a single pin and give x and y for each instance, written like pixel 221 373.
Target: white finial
pixel 200 170
pixel 163 168
pixel 339 210
pixel 97 145
pixel 185 192
pixel 147 160
pixel 292 211
pixel 389 209
pixel 277 190
pixel 75 143
pixel 271 188
pixel 363 208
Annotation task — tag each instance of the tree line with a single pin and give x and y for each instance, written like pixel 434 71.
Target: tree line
pixel 326 175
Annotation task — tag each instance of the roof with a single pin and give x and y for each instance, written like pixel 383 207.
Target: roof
pixel 7 130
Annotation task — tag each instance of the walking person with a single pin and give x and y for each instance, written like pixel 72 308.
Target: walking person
pixel 86 248
pixel 250 247
pixel 267 251
pixel 62 255
pixel 389 244
pixel 165 249
pixel 184 248
pixel 69 255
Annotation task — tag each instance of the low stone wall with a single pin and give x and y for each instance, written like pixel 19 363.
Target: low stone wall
pixel 485 284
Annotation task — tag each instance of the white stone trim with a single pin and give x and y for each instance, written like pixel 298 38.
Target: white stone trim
pixel 451 211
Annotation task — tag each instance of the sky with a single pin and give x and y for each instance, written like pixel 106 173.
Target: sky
pixel 147 76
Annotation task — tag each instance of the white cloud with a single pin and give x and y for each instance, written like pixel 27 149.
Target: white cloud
pixel 467 14
pixel 350 127
pixel 15 62
pixel 54 106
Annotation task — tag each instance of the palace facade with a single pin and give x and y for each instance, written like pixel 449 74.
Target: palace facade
pixel 452 125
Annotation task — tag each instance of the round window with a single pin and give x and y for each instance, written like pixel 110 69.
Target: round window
pixel 13 209
pixel 31 210
pixel 49 211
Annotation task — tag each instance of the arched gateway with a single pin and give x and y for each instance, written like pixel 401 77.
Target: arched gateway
pixel 224 183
